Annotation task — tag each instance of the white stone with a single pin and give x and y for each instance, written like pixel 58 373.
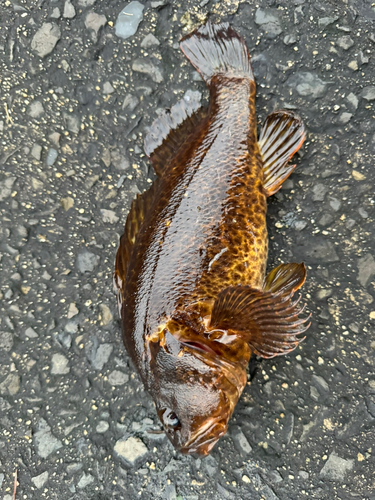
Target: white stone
pixel 73 311
pixel 45 442
pixel 105 314
pixel 102 356
pixel 102 427
pixel 109 216
pixel 336 468
pixel 60 365
pixel 130 450
pixel 35 110
pixel 45 39
pixel 69 10
pixel 31 333
pixel 40 480
pixel 128 20
pixel 149 41
pixel 117 378
pixel 85 480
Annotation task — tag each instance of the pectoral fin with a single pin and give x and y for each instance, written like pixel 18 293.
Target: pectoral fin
pixel 281 136
pixel 268 320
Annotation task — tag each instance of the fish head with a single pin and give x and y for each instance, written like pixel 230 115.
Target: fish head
pixel 195 392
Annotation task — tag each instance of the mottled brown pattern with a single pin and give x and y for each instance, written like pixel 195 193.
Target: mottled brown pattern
pixel 202 229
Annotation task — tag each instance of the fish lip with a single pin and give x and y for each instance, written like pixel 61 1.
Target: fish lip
pixel 201 445
pixel 198 346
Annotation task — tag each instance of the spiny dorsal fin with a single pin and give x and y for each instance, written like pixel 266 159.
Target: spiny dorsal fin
pixel 171 129
pixel 281 137
pixel 268 320
pixel 138 211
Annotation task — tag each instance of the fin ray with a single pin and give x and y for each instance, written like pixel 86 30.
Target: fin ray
pixel 138 211
pixel 169 131
pixel 268 320
pixel 282 135
pixel 217 48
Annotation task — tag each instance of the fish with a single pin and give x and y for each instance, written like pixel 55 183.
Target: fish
pixel 194 298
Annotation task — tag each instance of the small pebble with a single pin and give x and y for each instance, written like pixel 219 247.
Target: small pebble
pixel 67 203
pixel 85 480
pixel 290 39
pixel 368 93
pixel 101 356
pixel 147 67
pixel 35 109
pixel 73 311
pixel 44 441
pixel 36 151
pixel 363 213
pixel 149 41
pixel 345 118
pixel 353 65
pixel 353 101
pixel 107 88
pixel 102 427
pixel 55 14
pixel 130 451
pixel 31 333
pixel 40 481
pixel 109 216
pixel 51 157
pixel 94 22
pixel 130 103
pixel 336 468
pixel 345 42
pixel 366 269
pixel 307 84
pixel 117 378
pixel 105 314
pixel 60 365
pixel 128 20
pixel 45 39
pixel 87 261
pixel 323 22
pixel 69 10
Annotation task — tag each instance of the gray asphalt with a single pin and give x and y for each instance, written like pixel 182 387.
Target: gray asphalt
pixel 75 104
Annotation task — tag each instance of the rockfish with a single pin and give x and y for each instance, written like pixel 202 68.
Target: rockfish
pixel 193 296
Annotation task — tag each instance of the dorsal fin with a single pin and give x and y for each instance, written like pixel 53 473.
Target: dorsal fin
pixel 171 129
pixel 138 211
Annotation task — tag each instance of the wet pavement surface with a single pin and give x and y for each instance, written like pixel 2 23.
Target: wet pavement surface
pixel 75 103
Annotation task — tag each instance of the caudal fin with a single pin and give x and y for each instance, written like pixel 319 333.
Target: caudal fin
pixel 216 48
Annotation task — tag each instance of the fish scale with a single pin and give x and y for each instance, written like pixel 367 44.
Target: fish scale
pixel 190 269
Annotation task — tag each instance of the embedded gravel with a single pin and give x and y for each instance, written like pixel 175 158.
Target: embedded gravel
pixel 75 104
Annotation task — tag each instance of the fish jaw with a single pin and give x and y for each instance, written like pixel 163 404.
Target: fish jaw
pixel 203 441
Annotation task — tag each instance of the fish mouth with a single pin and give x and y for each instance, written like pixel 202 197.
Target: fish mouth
pixel 200 346
pixel 202 441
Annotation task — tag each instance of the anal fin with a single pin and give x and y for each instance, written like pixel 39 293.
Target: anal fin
pixel 138 211
pixel 171 129
pixel 282 134
pixel 268 320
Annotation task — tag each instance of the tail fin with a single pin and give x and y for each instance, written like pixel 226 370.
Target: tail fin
pixel 217 48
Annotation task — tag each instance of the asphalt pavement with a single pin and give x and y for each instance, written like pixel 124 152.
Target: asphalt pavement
pixel 76 100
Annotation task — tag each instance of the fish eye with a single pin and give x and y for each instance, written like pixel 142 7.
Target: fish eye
pixel 171 420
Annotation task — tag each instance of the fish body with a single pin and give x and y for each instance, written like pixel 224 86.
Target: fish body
pixel 190 268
